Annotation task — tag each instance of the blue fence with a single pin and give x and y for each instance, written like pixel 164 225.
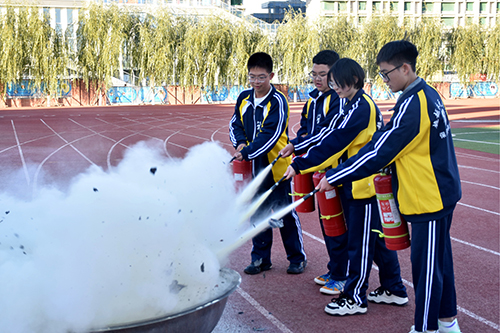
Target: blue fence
pixel 28 89
pixel 478 89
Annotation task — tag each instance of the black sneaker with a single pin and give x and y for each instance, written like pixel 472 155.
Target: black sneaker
pixel 256 267
pixel 297 267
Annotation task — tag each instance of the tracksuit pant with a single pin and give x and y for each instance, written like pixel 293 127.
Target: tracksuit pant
pixel 291 233
pixel 364 246
pixel 432 270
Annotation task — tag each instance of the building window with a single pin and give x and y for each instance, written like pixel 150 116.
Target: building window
pixel 377 6
pixel 482 20
pixel 469 6
pixel 407 6
pixel 361 19
pixel 329 6
pixel 362 5
pixel 498 7
pixel 482 7
pixel 427 7
pixel 342 6
pixel 394 6
pixel 469 20
pixel 447 6
pixel 448 21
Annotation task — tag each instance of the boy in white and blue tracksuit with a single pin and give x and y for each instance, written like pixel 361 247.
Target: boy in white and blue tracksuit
pixel 318 114
pixel 351 130
pixel 418 145
pixel 258 131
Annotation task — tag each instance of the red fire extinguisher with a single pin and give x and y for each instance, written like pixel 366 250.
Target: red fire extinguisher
pixel 394 226
pixel 303 185
pixel 242 172
pixel 330 207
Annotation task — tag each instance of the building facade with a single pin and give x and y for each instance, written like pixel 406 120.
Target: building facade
pixel 451 12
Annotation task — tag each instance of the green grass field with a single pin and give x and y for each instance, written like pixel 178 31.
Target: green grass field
pixel 485 139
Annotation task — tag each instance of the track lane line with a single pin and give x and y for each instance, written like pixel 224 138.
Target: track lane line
pixel 410 284
pixel 25 168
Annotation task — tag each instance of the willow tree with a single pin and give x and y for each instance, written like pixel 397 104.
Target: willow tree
pixel 155 50
pixel 374 34
pixel 296 44
pixel 100 37
pixel 13 57
pixel 467 51
pixel 492 52
pixel 207 52
pixel 337 34
pixel 427 37
pixel 246 41
pixel 48 58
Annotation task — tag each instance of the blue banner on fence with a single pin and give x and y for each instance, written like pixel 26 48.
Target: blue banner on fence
pixel 477 89
pixel 136 95
pixel 27 89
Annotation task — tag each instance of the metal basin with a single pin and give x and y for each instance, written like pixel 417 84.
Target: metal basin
pixel 198 319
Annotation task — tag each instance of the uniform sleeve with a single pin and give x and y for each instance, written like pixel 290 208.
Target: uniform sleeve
pixel 334 142
pixel 236 130
pixel 272 128
pixel 393 141
pixel 331 121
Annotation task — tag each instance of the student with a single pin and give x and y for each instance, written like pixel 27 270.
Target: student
pixel 359 119
pixel 318 114
pixel 258 131
pixel 418 146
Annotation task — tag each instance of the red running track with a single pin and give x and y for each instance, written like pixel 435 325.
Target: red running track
pixel 53 145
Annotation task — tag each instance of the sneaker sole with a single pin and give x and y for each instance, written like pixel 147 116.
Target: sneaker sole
pixel 329 292
pixel 380 300
pixel 345 313
pixel 319 282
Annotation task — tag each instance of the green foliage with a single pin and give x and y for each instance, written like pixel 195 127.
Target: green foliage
pixel 161 48
pixel 296 44
pixel 468 51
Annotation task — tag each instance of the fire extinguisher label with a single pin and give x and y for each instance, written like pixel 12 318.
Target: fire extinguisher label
pixel 330 194
pixel 238 176
pixel 389 213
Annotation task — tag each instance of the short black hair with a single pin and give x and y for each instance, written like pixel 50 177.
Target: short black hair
pixel 326 57
pixel 397 53
pixel 345 72
pixel 262 60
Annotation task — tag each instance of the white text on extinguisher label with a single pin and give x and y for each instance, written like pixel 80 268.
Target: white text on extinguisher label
pixel 238 176
pixel 389 213
pixel 330 194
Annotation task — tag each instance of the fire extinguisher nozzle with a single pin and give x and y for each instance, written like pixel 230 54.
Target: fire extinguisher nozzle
pixel 232 160
pixel 276 159
pixel 277 183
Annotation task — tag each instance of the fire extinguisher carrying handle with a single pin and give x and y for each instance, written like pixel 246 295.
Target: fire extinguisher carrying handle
pixel 386 170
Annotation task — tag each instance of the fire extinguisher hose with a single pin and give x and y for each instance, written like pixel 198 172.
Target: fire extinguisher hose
pixel 382 235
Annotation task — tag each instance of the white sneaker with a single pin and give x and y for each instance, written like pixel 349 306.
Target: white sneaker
pixel 414 331
pixel 447 327
pixel 344 306
pixel 381 295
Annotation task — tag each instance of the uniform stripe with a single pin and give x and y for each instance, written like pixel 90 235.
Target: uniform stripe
pixel 299 230
pixel 279 129
pixel 431 248
pixel 363 159
pixel 364 254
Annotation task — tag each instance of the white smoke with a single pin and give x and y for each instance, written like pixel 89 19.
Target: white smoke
pixel 122 245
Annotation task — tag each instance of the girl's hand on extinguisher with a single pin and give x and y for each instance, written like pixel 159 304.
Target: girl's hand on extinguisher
pixel 289 173
pixel 324 185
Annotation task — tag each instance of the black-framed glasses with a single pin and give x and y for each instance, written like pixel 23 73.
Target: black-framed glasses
pixel 385 76
pixel 314 75
pixel 260 78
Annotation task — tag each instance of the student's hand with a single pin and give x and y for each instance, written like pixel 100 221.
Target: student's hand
pixel 287 151
pixel 290 172
pixel 238 156
pixel 324 185
pixel 241 146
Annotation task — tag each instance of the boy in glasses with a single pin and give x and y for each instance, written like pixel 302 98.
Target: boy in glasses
pixel 317 116
pixel 418 146
pixel 259 131
pixel 352 128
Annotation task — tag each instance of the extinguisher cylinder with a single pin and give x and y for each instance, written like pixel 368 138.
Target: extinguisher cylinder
pixel 303 185
pixel 330 206
pixel 395 228
pixel 242 173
